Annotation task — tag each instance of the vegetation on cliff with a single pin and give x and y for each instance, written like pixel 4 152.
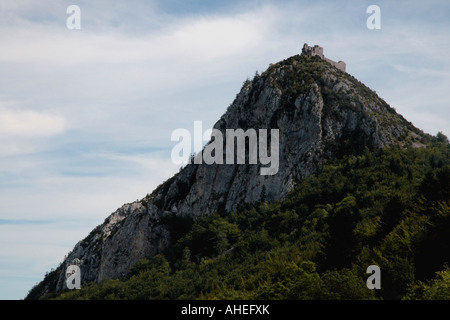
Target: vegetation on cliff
pixel 390 208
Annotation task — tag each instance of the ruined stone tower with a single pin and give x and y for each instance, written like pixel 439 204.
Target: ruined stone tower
pixel 318 51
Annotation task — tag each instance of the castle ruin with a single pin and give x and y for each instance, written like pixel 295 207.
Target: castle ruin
pixel 318 51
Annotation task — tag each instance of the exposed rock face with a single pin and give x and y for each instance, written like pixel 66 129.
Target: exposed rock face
pixel 321 112
pixel 110 250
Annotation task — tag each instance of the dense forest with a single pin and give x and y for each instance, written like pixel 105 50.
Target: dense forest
pixel 388 207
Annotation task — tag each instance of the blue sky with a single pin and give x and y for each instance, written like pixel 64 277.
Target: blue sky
pixel 86 115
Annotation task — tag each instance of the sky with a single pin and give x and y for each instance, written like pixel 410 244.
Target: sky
pixel 86 115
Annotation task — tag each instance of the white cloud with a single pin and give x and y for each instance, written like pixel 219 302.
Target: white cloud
pixel 195 40
pixel 26 131
pixel 118 84
pixel 49 191
pixel 29 124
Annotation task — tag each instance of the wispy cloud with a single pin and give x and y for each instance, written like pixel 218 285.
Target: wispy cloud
pixel 23 222
pixel 24 131
pixel 29 123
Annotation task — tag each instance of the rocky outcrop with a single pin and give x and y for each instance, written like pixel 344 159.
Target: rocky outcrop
pixel 321 113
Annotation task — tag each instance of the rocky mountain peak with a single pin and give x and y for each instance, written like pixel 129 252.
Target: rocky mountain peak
pixel 321 112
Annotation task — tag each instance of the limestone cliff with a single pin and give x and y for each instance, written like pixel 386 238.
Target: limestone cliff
pixel 322 113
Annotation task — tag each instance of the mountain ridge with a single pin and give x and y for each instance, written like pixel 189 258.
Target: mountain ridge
pixel 323 114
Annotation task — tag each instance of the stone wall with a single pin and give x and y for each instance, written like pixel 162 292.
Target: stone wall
pixel 318 51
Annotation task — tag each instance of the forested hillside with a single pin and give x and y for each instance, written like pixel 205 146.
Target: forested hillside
pixel 389 207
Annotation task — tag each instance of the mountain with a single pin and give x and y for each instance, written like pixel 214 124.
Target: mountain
pixel 323 115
